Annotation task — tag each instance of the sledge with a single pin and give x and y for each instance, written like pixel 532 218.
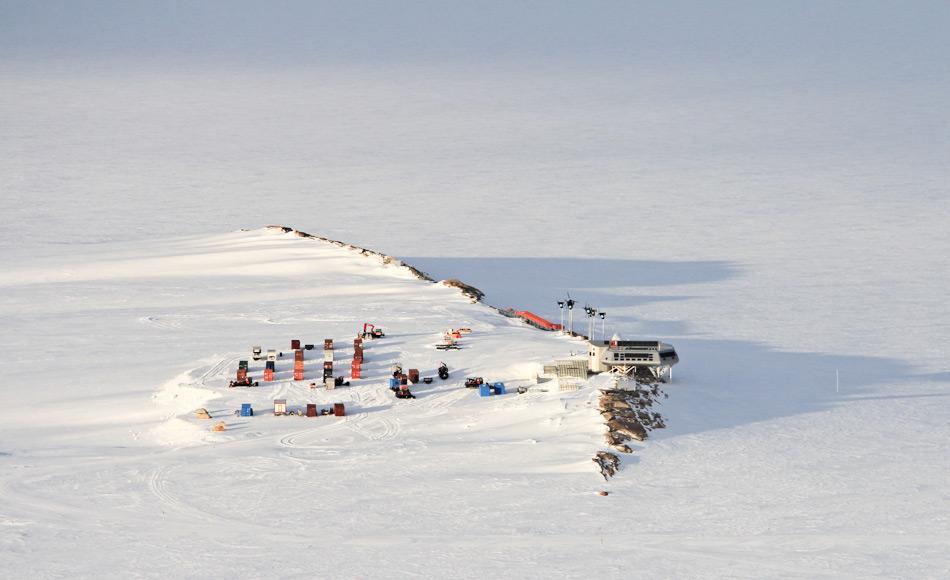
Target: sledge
pixel 245 382
pixel 473 382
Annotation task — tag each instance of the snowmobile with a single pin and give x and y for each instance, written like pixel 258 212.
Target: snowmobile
pixel 404 393
pixel 443 371
pixel 473 382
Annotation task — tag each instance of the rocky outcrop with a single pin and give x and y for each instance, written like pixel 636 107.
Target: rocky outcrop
pixel 607 462
pixel 628 415
pixel 470 291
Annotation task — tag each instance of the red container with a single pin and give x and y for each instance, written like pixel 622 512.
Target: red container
pixel 327 344
pixel 268 374
pixel 298 374
pixel 338 409
pixel 241 374
pixel 294 344
pixel 298 355
pixel 357 342
pixel 298 364
pixel 355 373
pixel 311 410
pixel 413 376
pixel 328 366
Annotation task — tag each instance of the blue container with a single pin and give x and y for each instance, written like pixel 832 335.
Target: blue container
pixel 499 388
pixel 393 383
pixel 246 410
pixel 270 364
pixel 484 390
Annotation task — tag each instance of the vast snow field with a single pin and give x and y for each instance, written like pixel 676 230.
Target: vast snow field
pixel 767 192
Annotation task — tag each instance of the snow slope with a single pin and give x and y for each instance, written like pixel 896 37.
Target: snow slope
pixel 764 469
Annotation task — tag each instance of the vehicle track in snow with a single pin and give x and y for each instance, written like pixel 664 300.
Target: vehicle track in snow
pixel 441 402
pixel 297 439
pixel 215 370
pixel 158 485
pixel 377 428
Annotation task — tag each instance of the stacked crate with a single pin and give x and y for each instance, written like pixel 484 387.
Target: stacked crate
pixel 269 370
pixel 357 358
pixel 328 361
pixel 298 364
pixel 242 371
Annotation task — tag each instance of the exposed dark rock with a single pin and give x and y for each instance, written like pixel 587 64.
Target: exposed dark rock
pixel 608 463
pixel 470 291
pixel 628 416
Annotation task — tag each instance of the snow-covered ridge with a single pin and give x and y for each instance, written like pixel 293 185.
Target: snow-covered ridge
pixel 474 293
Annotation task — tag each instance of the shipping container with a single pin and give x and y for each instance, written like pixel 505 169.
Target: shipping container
pixel 268 375
pixel 413 376
pixel 280 406
pixel 484 390
pixel 247 410
pixel 327 344
pixel 294 344
pixel 311 410
pixel 298 374
pixel 355 372
pixel 270 365
pixel 393 383
pixel 329 382
pixel 338 409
